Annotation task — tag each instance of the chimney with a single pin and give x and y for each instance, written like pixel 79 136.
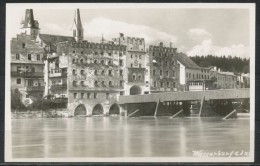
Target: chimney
pixel 170 44
pixel 161 44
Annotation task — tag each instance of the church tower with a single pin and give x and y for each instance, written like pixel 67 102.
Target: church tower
pixel 30 26
pixel 78 31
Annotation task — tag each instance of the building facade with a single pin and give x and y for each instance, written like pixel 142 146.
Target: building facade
pixel 163 69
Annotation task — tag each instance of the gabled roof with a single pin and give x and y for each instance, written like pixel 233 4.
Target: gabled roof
pixel 186 61
pixel 52 40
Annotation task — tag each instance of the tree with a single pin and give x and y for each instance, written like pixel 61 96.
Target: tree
pixel 16 102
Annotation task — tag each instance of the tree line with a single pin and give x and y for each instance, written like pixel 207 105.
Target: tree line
pixel 225 63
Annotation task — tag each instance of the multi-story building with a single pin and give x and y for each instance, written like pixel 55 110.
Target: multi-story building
pixel 192 77
pixel 89 77
pixel 137 80
pixel 223 80
pixel 163 68
pixel 27 61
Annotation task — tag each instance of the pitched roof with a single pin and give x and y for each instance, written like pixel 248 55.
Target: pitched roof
pixel 29 21
pixel 186 61
pixel 52 40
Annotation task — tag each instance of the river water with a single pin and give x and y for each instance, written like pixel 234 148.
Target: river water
pixel 127 137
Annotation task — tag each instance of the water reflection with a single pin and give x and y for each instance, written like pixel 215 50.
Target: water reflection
pixel 122 137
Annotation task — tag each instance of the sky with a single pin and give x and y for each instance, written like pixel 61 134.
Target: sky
pixel 194 31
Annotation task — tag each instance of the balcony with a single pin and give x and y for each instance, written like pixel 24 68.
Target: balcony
pixel 57 73
pixel 27 74
pixel 34 88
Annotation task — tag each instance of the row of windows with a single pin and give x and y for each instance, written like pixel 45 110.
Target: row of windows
pixel 109 62
pixel 166 63
pixel 131 41
pixel 97 72
pixel 97 83
pixel 161 54
pixel 136 56
pixel 166 73
pixel 198 76
pixel 137 78
pixel 29 57
pixel 195 83
pixel 101 53
pixel 30 82
pixel 132 65
pixel 27 69
pixel 162 84
pixel 88 96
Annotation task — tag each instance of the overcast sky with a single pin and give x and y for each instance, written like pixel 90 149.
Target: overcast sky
pixel 192 31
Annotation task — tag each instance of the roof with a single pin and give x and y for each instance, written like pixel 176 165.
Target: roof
pixel 186 61
pixel 52 40
pixel 29 21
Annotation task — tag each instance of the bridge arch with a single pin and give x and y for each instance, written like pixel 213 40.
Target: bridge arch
pixel 114 109
pixel 80 110
pixel 98 110
pixel 135 90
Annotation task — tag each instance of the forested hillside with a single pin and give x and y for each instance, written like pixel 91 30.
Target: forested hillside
pixel 225 63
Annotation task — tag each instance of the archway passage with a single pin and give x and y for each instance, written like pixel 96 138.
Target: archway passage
pixel 98 110
pixel 80 110
pixel 135 90
pixel 114 109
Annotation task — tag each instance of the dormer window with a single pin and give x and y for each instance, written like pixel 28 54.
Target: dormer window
pixel 23 45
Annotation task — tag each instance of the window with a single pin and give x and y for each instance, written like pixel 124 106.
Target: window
pixel 173 73
pixel 153 72
pixel 82 95
pixel 173 84
pixel 81 52
pixel 74 52
pixel 73 60
pixel 166 63
pixel 74 72
pixel 110 72
pixel 131 65
pixel 121 72
pixel 189 75
pixel 29 57
pixel 75 95
pixel 102 72
pixel 121 83
pixel 96 53
pixel 18 81
pixel 95 95
pixel 160 72
pixel 74 83
pixel 161 84
pixel 167 73
pixel 82 72
pixel 140 56
pixel 140 65
pixel 27 96
pixel 30 83
pixel 95 61
pixel 109 54
pixel 173 63
pixel 110 83
pixel 102 61
pixel 96 83
pixel 154 84
pixel 168 84
pixel 139 77
pixel 103 83
pixel 81 60
pixel 120 54
pixel 102 53
pixel 96 72
pixel 23 45
pixel 82 83
pixel 109 62
pixel 136 56
pixel 38 57
pixel 153 53
pixel 134 78
pixel 88 95
pixel 121 62
pixel 17 57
